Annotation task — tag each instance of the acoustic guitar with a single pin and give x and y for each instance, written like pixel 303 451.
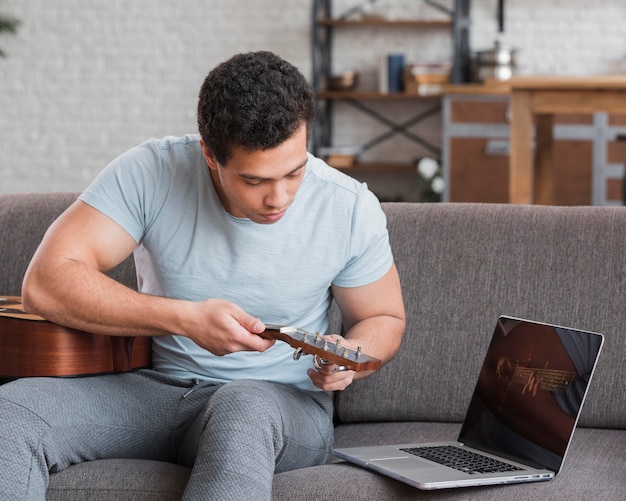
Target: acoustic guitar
pixel 32 346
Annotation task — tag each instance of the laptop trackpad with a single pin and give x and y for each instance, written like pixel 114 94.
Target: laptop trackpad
pixel 409 463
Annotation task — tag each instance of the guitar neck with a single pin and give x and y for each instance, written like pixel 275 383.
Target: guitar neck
pixel 550 379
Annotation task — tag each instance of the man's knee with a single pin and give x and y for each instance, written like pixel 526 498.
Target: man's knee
pixel 248 400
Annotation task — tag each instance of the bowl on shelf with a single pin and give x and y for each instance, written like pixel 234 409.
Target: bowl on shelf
pixel 345 81
pixel 340 157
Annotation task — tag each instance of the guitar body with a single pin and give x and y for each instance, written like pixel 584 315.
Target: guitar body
pixel 32 346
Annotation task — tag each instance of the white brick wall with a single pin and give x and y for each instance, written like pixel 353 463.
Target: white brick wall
pixel 571 37
pixel 85 80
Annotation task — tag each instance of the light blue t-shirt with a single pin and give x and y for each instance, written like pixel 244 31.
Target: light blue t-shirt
pixel 190 247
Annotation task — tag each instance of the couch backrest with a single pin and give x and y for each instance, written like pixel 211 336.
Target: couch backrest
pixel 24 218
pixel 463 265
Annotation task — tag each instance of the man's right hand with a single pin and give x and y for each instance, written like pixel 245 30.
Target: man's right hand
pixel 222 327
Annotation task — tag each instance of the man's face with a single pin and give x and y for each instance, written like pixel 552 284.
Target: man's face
pixel 260 185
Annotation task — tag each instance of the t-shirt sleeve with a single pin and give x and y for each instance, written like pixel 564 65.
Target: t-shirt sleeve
pixel 370 253
pixel 126 190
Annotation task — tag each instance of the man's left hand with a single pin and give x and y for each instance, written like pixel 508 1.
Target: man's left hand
pixel 329 376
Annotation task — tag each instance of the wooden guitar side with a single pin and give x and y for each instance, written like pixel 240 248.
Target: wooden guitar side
pixel 32 346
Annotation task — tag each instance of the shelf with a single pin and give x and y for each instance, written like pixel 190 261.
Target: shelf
pixel 489 87
pixel 411 23
pixel 323 27
pixel 338 94
pixel 380 167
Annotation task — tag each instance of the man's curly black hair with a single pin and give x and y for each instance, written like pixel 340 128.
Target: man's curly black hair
pixel 254 101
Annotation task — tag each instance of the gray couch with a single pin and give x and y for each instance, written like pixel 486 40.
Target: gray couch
pixel 461 266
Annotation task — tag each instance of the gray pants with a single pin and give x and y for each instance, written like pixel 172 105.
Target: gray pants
pixel 235 435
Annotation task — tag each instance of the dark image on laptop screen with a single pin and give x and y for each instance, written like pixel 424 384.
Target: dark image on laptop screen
pixel 535 374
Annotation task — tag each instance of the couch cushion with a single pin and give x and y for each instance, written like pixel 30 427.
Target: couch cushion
pixel 463 265
pixel 593 469
pixel 24 219
pixel 119 479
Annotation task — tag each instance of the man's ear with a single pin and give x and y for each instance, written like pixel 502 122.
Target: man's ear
pixel 208 155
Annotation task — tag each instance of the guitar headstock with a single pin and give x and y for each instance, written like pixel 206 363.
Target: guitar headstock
pixel 316 344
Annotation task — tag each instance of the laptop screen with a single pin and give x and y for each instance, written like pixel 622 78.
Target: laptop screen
pixel 530 391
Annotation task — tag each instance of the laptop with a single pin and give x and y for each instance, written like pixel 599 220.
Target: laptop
pixel 520 419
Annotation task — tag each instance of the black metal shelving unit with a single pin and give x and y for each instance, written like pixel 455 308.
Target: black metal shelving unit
pixel 322 30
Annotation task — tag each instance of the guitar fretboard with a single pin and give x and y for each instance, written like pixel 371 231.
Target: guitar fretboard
pixel 550 379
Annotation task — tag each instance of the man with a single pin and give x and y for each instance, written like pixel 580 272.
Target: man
pixel 230 230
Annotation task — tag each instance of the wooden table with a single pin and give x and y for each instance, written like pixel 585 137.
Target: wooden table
pixel 534 101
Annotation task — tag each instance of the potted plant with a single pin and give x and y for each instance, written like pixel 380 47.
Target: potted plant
pixel 7 25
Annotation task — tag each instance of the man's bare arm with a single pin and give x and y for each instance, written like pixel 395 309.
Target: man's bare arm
pixel 373 315
pixel 65 284
pixel 374 319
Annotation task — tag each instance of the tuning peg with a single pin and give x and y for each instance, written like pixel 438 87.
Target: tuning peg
pixel 337 345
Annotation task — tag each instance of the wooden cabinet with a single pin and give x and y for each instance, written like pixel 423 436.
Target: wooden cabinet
pixel 477 155
pixel 589 160
pixel 475 174
pixel 614 181
pixel 478 171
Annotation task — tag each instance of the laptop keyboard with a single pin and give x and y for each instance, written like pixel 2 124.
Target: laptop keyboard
pixel 461 459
